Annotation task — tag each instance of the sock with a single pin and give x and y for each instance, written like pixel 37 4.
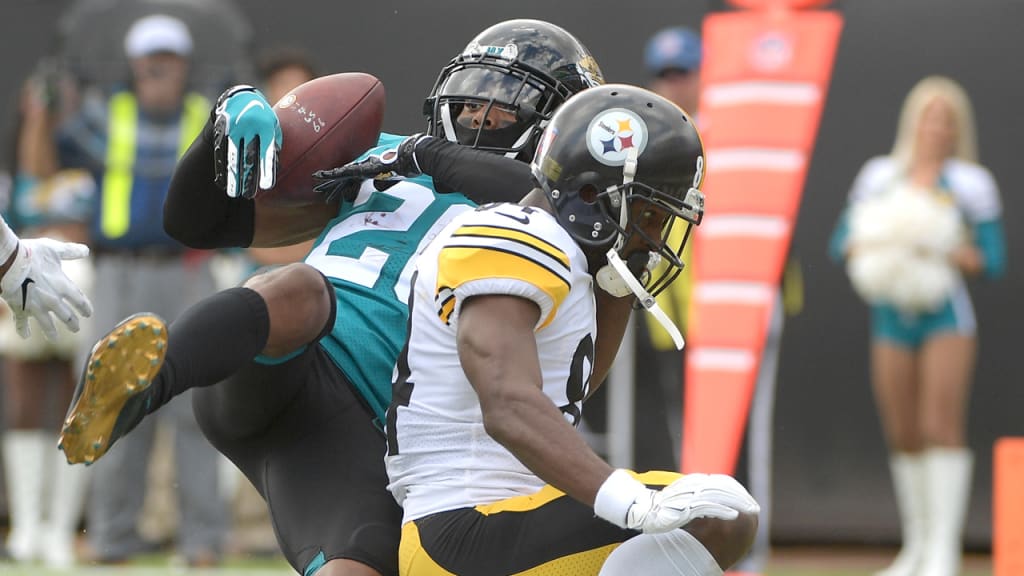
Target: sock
pixel 211 341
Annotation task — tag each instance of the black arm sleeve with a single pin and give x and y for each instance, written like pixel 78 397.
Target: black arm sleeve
pixel 482 176
pixel 199 214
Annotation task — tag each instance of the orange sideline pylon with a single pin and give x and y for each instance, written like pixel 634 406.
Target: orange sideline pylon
pixel 1008 507
pixel 764 79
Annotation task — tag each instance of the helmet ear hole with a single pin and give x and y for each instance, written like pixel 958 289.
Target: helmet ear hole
pixel 588 193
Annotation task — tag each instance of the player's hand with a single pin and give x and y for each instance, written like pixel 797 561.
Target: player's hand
pixel 397 162
pixel 626 502
pixel 247 138
pixel 35 286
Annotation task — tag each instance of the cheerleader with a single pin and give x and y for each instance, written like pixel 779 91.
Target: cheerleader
pixel 918 221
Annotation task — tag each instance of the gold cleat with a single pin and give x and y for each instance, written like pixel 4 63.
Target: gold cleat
pixel 111 397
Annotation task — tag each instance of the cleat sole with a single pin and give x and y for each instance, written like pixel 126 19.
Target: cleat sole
pixel 120 367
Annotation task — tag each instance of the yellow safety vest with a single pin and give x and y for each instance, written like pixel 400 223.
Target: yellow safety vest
pixel 122 127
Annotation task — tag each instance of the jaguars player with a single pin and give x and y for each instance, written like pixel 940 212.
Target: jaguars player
pixel 508 335
pixel 302 356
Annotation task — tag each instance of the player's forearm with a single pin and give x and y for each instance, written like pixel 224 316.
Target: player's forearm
pixel 282 255
pixel 498 353
pixel 286 225
pixel 199 214
pixel 482 177
pixel 536 432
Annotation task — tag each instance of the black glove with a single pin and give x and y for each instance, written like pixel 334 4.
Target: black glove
pixel 398 162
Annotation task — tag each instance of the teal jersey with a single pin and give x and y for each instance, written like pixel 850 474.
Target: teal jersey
pixel 368 253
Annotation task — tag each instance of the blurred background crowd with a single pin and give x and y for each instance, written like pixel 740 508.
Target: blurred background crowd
pixel 870 400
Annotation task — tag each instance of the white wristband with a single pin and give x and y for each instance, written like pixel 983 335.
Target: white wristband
pixel 616 496
pixel 8 241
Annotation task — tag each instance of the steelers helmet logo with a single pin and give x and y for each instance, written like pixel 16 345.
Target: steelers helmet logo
pixel 613 132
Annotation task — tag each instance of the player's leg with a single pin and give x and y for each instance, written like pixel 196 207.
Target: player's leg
pixel 128 375
pixel 308 443
pixel 705 547
pixel 947 364
pixel 548 533
pixel 677 552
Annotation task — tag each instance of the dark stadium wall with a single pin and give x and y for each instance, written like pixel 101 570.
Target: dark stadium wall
pixel 831 481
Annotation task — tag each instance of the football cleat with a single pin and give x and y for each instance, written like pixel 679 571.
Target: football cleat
pixel 112 396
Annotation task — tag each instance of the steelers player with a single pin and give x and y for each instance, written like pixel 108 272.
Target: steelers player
pixel 516 313
pixel 293 370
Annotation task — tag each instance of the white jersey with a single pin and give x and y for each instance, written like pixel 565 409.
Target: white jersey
pixel 439 455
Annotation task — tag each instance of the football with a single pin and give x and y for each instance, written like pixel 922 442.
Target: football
pixel 325 122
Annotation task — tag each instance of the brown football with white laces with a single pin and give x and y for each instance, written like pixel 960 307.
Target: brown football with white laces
pixel 325 122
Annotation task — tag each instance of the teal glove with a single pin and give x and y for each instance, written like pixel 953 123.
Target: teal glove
pixel 247 137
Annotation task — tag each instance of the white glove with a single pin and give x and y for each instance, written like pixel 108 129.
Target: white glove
pixel 628 503
pixel 35 285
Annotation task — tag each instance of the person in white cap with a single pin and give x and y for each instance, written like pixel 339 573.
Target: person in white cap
pixel 131 141
pixel 158 48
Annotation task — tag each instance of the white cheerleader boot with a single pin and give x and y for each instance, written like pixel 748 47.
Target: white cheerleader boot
pixel 949 491
pixel 66 500
pixel 23 463
pixel 908 477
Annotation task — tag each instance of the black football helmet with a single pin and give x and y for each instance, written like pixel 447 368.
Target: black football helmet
pixel 612 150
pixel 520 70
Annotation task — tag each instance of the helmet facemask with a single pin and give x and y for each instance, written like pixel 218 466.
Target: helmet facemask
pixel 499 88
pixel 613 219
pixel 627 208
pixel 623 205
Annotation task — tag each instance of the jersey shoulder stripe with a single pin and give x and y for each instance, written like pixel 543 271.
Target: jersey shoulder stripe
pixel 523 237
pixel 503 253
pixel 462 265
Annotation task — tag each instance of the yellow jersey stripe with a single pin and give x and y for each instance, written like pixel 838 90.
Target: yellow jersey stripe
pixel 458 265
pixel 447 307
pixel 515 235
